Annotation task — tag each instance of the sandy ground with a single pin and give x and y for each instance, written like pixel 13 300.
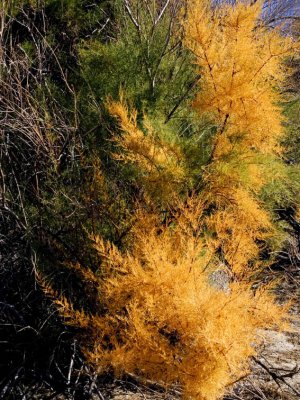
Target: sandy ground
pixel 276 369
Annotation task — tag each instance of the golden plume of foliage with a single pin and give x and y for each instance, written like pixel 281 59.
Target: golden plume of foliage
pixel 71 316
pixel 159 162
pixel 241 63
pixel 163 319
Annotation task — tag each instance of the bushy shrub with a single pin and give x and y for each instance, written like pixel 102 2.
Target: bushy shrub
pixel 162 316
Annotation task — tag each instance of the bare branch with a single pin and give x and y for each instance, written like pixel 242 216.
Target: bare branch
pixel 129 12
pixel 185 94
pixel 162 12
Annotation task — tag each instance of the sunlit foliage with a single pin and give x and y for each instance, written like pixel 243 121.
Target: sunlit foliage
pixel 159 161
pixel 241 63
pixel 162 317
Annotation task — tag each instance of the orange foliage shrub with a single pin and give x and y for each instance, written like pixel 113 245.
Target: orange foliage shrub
pixel 241 66
pixel 163 319
pixel 159 162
